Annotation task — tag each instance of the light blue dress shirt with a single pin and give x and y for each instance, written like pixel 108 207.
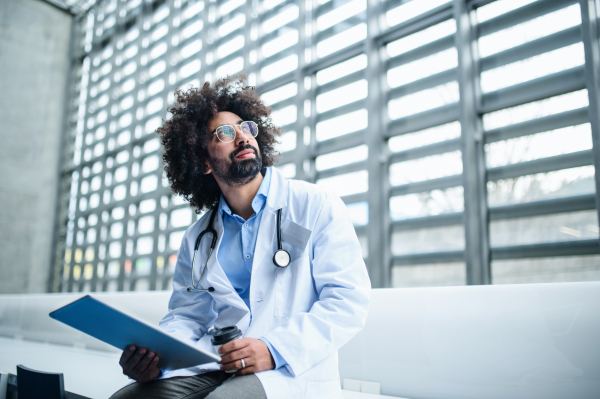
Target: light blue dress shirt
pixel 236 251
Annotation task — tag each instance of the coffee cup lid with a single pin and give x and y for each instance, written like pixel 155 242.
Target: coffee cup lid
pixel 225 334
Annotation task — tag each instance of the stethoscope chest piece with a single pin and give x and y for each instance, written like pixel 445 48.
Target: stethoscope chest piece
pixel 281 258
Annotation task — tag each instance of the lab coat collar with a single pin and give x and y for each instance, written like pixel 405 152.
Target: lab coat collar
pixel 277 198
pixel 259 199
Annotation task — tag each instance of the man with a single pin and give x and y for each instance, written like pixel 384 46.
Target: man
pixel 218 155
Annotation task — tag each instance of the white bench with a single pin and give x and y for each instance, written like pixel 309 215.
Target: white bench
pixel 507 341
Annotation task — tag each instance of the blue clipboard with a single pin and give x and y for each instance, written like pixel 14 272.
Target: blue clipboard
pixel 114 327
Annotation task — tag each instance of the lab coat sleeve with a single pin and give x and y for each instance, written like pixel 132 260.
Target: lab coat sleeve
pixel 190 313
pixel 343 288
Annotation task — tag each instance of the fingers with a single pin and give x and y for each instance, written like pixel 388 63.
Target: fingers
pixel 151 372
pixel 141 365
pixel 126 355
pixel 235 345
pixel 236 355
pixel 236 365
pixel 246 371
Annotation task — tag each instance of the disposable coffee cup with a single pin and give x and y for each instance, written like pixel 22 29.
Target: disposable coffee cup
pixel 223 336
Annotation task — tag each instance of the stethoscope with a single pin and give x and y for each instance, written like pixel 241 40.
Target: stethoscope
pixel 281 258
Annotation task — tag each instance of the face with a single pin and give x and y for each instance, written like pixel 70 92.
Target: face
pixel 236 163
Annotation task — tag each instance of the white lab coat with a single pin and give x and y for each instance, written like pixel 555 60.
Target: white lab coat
pixel 307 310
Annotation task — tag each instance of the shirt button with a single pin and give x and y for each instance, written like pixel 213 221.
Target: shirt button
pixel 246 225
pixel 248 256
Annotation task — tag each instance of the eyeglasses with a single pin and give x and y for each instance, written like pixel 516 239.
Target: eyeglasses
pixel 226 133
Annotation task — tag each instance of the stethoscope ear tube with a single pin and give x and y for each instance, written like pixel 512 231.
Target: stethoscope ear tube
pixel 211 230
pixel 281 258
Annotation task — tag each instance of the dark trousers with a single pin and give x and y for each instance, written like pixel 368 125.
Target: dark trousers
pixel 213 385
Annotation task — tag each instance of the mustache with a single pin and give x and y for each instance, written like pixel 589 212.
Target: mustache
pixel 246 147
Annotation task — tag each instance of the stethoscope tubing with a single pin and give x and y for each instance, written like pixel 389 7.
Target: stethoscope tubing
pixel 281 258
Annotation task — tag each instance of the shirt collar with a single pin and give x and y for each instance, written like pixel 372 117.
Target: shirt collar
pixel 259 200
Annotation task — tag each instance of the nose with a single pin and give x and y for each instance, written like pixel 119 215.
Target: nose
pixel 241 137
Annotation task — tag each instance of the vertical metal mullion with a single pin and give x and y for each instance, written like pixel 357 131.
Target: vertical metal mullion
pixel 172 64
pixel 128 200
pixel 378 261
pixel 590 33
pixel 477 248
pixel 246 31
pixel 308 165
pixel 302 151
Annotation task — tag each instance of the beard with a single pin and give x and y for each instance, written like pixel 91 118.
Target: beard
pixel 237 173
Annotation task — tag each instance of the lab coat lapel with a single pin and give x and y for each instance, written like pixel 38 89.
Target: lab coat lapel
pixel 276 199
pixel 224 294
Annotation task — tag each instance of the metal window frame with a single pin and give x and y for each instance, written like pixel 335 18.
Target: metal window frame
pixel 476 217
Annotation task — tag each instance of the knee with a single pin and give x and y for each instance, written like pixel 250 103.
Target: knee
pixel 127 392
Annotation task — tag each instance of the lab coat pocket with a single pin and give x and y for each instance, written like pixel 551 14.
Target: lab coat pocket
pixel 324 390
pixel 290 295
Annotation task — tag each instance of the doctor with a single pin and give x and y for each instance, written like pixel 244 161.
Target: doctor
pixel 294 316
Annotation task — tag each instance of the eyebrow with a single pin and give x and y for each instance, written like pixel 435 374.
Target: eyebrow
pixel 214 131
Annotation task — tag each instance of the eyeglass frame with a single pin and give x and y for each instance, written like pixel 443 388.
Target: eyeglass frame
pixel 215 133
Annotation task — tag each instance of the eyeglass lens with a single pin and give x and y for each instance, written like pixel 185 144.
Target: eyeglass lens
pixel 226 133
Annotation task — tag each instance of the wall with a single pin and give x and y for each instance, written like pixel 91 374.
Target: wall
pixel 34 67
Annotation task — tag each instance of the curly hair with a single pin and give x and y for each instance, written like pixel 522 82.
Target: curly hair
pixel 185 135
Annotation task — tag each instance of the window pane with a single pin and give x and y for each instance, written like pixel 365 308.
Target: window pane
pixel 541 186
pixel 546 270
pixel 569 226
pixel 433 275
pixel 435 202
pixel 436 239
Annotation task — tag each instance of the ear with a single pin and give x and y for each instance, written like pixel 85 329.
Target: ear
pixel 208 168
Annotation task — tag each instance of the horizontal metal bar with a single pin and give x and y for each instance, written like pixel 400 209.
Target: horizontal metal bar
pixel 277 57
pixel 224 39
pixel 421 52
pixel 546 250
pixel 354 198
pixel 446 219
pixel 283 103
pixel 535 47
pixel 340 143
pixel 423 120
pixel 110 153
pixel 275 10
pixel 428 185
pixel 288 128
pixel 520 15
pixel 536 89
pixel 335 58
pixel 125 202
pixel 474 4
pixel 433 257
pixel 275 83
pixel 335 29
pixel 416 24
pixel 343 110
pixel 426 150
pixel 342 170
pixel 549 164
pixel 229 57
pixel 544 124
pixel 423 84
pixel 346 80
pixel 545 207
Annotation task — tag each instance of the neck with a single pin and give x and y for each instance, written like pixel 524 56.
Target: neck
pixel 240 198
